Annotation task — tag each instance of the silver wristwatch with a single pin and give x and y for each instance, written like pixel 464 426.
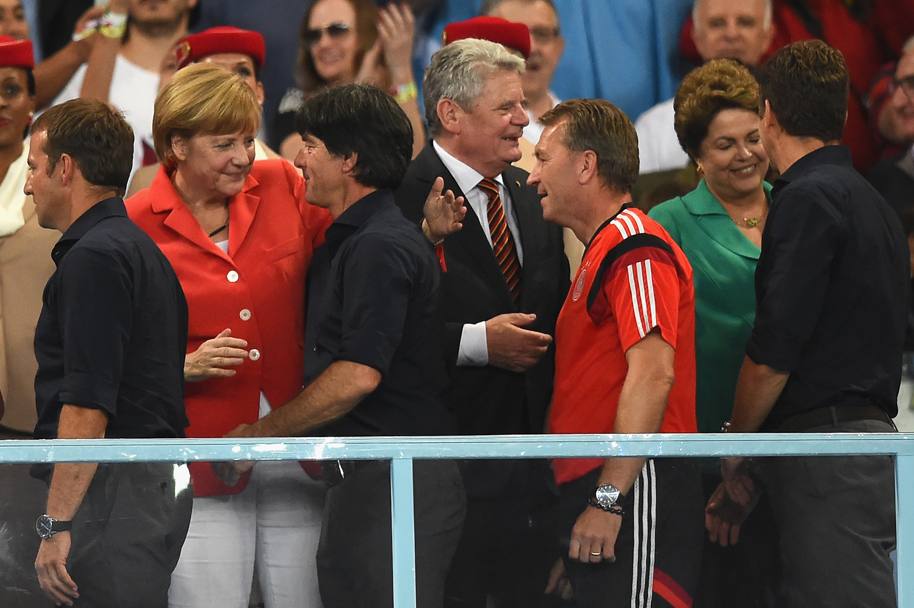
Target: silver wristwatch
pixel 607 497
pixel 46 526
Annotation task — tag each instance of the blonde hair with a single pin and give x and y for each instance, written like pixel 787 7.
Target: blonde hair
pixel 202 98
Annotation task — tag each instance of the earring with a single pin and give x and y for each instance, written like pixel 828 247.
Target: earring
pixel 698 168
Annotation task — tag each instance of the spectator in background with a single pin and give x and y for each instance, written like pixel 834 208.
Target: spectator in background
pixel 723 28
pixel 546 46
pixel 240 237
pixel 624 363
pixel 240 51
pixel 123 66
pixel 719 227
pixel 12 20
pixel 346 41
pixel 25 248
pixel 894 176
pixel 505 280
pixel 279 28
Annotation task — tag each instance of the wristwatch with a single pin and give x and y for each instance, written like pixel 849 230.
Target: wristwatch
pixel 46 526
pixel 607 497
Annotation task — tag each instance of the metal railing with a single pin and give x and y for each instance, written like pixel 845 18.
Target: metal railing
pixel 401 451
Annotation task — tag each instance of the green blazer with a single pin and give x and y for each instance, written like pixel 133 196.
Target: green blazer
pixel 723 262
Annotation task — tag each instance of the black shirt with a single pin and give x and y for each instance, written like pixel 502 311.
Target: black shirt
pixel 112 330
pixel 831 289
pixel 374 289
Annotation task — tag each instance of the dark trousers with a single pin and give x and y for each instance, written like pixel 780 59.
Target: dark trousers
pixel 505 554
pixel 658 550
pixel 744 574
pixel 128 533
pixel 354 555
pixel 836 517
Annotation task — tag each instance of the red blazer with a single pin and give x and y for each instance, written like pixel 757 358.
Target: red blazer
pixel 257 290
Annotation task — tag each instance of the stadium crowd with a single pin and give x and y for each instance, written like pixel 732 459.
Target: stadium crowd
pixel 225 218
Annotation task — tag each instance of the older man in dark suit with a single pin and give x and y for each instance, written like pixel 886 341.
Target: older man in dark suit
pixel 506 276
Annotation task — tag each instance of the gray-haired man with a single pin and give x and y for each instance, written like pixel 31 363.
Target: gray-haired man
pixel 506 278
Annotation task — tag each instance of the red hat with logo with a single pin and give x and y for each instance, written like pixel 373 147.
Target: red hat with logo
pixel 221 39
pixel 513 35
pixel 16 53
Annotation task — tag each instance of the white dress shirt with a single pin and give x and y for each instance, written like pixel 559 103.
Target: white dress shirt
pixel 473 349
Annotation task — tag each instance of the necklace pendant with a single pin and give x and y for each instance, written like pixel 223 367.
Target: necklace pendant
pixel 751 222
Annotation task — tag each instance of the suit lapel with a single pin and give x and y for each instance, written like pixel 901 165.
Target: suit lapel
pixel 472 239
pixel 179 218
pixel 242 210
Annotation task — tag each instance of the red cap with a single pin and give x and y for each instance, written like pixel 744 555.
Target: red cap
pixel 513 35
pixel 16 53
pixel 222 39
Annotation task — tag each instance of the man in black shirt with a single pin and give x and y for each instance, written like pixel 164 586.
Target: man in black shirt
pixel 825 352
pixel 375 367
pixel 110 347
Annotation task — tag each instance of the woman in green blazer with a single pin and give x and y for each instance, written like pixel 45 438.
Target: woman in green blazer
pixel 719 223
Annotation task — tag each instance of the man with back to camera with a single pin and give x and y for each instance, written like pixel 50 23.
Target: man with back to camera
pixel 722 29
pixel 505 279
pixel 624 363
pixel 375 367
pixel 110 347
pixel 825 351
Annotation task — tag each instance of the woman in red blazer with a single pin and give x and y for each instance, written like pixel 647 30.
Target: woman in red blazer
pixel 240 237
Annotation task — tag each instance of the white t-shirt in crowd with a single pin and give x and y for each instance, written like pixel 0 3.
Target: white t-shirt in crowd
pixel 133 92
pixel 658 145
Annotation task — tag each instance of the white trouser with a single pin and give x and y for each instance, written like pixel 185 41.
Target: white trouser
pixel 273 526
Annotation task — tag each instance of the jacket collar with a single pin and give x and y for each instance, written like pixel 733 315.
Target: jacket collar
pixel 242 209
pixel 715 222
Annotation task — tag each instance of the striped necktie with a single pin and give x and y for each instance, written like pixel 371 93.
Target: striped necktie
pixel 502 241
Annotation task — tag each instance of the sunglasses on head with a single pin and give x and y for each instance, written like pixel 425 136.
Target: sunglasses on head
pixel 334 30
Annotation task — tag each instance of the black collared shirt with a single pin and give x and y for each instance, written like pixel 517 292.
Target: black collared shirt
pixel 832 288
pixel 374 289
pixel 113 329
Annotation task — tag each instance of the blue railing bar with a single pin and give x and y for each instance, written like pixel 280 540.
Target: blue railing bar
pixel 403 532
pixel 904 533
pixel 485 446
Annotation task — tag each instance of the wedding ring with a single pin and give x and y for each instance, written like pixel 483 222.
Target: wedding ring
pixel 596 553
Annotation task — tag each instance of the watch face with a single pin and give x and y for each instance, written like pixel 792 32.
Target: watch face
pixel 44 526
pixel 606 495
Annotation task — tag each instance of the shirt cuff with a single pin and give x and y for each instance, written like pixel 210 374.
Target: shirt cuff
pixel 474 349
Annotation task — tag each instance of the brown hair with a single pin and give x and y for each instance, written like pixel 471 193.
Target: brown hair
pixel 366 32
pixel 719 84
pixel 598 125
pixel 95 135
pixel 202 98
pixel 807 85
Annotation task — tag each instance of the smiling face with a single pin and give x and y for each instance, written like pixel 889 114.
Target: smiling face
pixel 732 157
pixel 12 20
pixel 546 43
pixel 488 132
pixel 214 164
pixel 728 29
pixel 323 173
pixel 16 106
pixel 334 52
pixel 555 175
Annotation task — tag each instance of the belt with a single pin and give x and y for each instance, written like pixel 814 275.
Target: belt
pixel 335 471
pixel 830 416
